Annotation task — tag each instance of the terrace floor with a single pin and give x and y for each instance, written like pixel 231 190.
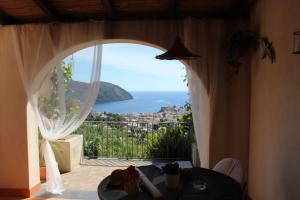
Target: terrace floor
pixel 83 181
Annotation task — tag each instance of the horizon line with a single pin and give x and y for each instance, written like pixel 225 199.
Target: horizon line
pixel 157 90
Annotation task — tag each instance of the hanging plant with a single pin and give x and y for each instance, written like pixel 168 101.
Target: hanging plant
pixel 268 49
pixel 239 45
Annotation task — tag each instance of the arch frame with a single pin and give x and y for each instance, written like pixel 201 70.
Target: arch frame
pixel 77 47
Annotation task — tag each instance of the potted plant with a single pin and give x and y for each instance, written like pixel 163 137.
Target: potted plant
pixel 238 46
pixel 172 175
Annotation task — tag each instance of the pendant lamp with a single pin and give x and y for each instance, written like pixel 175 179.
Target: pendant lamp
pixel 177 52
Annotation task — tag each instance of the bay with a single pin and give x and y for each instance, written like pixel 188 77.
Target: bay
pixel 144 102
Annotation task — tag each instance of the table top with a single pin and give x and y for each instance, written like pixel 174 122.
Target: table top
pixel 219 186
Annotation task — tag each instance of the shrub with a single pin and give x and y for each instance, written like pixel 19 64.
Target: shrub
pixel 172 143
pixel 91 147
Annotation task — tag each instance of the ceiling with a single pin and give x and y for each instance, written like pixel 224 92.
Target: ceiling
pixel 30 11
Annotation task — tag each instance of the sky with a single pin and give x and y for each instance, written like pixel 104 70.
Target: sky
pixel 133 67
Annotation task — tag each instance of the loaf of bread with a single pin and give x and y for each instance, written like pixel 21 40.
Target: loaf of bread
pixel 117 179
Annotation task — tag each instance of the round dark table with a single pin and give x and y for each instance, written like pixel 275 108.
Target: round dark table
pixel 219 186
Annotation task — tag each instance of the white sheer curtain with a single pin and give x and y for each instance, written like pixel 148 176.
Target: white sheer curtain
pixel 206 79
pixel 60 104
pixel 200 110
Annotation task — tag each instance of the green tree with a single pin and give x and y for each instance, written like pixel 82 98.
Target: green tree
pixel 186 121
pixel 50 106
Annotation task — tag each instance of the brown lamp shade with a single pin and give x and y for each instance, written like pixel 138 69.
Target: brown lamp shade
pixel 177 52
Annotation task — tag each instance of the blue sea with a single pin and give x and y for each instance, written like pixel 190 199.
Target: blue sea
pixel 144 102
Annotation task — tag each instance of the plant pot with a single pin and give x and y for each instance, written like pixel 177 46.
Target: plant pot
pixel 43 173
pixel 172 180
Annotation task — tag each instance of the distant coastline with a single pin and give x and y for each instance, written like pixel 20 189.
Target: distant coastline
pixel 165 114
pixel 145 102
pixel 108 92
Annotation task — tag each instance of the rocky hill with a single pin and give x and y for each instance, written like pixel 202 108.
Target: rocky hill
pixel 108 92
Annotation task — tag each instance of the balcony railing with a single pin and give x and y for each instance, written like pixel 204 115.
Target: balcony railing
pixel 136 140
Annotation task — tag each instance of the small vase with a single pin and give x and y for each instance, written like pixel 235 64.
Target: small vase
pixel 172 180
pixel 132 187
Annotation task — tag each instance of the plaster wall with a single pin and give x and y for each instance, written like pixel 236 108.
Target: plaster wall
pixel 275 112
pixel 13 123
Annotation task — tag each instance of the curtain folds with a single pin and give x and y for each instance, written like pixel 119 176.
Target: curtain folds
pixel 59 103
pixel 207 75
pixel 206 78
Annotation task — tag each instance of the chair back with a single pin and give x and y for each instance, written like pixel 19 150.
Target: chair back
pixel 230 167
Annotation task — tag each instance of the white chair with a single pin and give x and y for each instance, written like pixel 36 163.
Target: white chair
pixel 230 167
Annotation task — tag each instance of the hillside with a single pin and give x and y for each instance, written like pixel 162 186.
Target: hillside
pixel 108 92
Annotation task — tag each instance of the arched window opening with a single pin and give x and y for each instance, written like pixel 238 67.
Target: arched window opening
pixel 142 110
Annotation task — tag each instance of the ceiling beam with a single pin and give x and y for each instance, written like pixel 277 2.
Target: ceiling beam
pixel 48 9
pixel 241 8
pixel 131 16
pixel 248 5
pixel 137 16
pixel 173 8
pixel 110 9
pixel 235 7
pixel 5 19
pixel 163 16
